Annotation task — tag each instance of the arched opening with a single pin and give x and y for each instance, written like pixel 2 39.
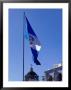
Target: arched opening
pixel 59 77
pixel 50 78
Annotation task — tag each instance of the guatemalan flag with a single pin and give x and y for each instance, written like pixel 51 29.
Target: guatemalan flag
pixel 34 43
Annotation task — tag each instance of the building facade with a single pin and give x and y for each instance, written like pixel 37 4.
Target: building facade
pixel 31 76
pixel 54 74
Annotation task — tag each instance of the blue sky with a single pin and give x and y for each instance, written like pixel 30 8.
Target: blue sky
pixel 47 25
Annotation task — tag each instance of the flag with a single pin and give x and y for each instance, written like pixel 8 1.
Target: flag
pixel 34 43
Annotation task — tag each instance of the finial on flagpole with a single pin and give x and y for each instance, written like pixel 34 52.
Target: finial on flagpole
pixel 24 13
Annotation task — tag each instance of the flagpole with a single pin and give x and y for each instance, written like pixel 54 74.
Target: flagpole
pixel 23 53
pixel 23 44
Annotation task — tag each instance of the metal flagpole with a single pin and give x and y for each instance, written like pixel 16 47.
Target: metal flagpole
pixel 23 44
pixel 23 53
pixel 24 26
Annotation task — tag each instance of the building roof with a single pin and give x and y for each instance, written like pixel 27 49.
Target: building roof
pixel 31 73
pixel 56 67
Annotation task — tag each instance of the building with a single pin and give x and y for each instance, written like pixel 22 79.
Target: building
pixel 54 74
pixel 31 76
